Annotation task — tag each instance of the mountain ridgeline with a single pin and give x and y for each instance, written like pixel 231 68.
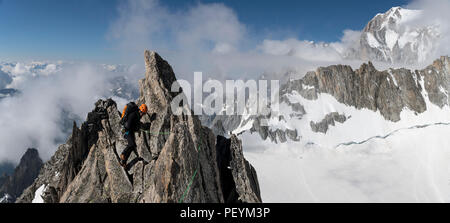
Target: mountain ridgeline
pixel 177 160
pixel 388 92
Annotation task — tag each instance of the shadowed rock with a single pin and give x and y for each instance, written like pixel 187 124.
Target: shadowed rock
pixel 237 177
pixel 329 120
pixel 24 175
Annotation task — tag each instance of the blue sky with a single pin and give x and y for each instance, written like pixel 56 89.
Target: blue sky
pixel 77 29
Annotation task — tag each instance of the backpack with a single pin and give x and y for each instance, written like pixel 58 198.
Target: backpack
pixel 129 108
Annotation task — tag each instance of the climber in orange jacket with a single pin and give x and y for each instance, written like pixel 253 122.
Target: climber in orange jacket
pixel 131 117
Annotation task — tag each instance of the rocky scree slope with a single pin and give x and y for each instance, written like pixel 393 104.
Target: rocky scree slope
pixel 176 159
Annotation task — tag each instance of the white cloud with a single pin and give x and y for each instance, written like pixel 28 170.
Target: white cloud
pixel 19 72
pixel 223 48
pixel 435 12
pixel 35 117
pixel 348 41
pixel 150 24
pixel 209 38
pixel 19 69
pixel 305 50
pixel 141 23
pixel 211 23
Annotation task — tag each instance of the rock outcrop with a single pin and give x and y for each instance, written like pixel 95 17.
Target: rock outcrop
pixel 175 159
pixel 436 81
pixel 329 120
pixel 241 183
pixel 259 125
pixel 24 175
pixel 387 91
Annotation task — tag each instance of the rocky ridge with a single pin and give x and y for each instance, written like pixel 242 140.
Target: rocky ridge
pixel 388 91
pixel 329 120
pixel 175 160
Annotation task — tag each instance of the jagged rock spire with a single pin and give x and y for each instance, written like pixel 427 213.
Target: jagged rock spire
pixel 175 159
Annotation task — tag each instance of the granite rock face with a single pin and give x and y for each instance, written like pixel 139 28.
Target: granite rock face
pixel 238 178
pixel 175 159
pixel 64 165
pixel 244 175
pixel 436 80
pixel 387 91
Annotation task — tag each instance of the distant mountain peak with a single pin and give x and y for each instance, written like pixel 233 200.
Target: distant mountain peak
pixel 393 17
pixel 24 175
pixel 394 37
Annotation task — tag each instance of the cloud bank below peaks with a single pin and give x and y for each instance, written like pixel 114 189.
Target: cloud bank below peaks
pixel 51 96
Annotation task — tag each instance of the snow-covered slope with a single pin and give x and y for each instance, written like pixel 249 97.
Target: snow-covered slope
pixel 410 165
pixel 365 159
pixel 363 153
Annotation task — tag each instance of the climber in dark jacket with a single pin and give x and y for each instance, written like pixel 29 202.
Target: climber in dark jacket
pixel 131 117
